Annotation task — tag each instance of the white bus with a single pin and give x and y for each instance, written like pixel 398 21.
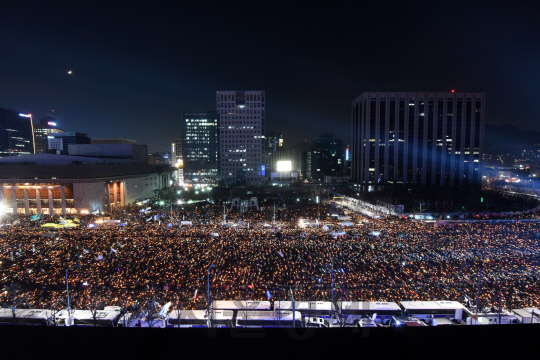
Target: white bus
pixel 492 318
pixel 320 309
pixel 526 316
pixel 199 319
pixel 536 314
pixel 426 311
pixel 354 313
pixel 268 319
pixel 240 305
pixel 104 318
pixel 32 317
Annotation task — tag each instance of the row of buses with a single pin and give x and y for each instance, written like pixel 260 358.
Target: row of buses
pixel 262 314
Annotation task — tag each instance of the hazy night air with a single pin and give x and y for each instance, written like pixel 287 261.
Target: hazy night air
pixel 139 67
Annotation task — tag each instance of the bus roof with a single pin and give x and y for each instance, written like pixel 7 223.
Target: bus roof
pixel 24 313
pixel 200 314
pixel 304 305
pixel 522 312
pixel 431 305
pixel 268 315
pixel 87 315
pixel 535 310
pixel 240 305
pixel 369 306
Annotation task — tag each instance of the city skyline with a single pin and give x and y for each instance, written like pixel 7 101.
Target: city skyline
pixel 119 70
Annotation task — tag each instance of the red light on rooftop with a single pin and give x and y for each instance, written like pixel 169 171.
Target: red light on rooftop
pixel 453 90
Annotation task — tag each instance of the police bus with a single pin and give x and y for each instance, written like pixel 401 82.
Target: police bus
pixel 32 317
pixel 98 318
pixel 199 318
pixel 353 313
pixel 240 305
pixel 427 311
pixel 319 309
pixel 268 319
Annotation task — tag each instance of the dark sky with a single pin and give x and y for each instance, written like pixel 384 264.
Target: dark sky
pixel 138 66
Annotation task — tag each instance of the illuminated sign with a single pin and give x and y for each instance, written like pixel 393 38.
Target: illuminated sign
pixel 262 170
pixel 284 165
pixel 50 123
pixel 347 154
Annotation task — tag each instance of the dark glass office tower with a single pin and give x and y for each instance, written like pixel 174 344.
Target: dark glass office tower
pixel 16 133
pixel 417 138
pixel 200 146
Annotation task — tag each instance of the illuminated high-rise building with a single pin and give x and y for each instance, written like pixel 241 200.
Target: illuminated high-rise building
pixel 200 146
pixel 417 138
pixel 16 133
pixel 242 116
pixel 42 131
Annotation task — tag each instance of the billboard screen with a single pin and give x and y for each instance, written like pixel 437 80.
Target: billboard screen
pixel 284 165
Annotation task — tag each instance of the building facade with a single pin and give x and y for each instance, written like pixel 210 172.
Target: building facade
pixel 200 146
pixel 42 131
pixel 326 158
pixel 242 115
pixel 16 133
pixel 78 189
pixel 417 138
pixel 61 141
pixel 177 161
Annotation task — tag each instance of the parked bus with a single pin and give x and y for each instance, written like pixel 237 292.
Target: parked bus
pixel 268 319
pixel 426 311
pixel 32 317
pixel 492 318
pixel 199 318
pixel 319 309
pixel 240 305
pixel 355 312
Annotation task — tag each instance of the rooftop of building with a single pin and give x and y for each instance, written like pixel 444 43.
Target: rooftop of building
pixel 48 166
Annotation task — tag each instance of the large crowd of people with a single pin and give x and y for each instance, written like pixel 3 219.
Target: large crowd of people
pixel 259 256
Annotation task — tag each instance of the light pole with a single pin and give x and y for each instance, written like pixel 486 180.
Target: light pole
pixel 67 290
pixel 208 293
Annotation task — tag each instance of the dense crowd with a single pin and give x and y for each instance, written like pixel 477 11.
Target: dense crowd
pixel 154 256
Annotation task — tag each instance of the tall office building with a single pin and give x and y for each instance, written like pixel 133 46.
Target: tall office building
pixel 200 146
pixel 326 157
pixel 417 138
pixel 16 133
pixel 42 131
pixel 242 135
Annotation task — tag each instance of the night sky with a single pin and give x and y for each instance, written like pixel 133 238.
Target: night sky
pixel 138 66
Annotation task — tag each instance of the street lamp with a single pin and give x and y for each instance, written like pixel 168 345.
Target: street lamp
pixel 208 293
pixel 67 290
